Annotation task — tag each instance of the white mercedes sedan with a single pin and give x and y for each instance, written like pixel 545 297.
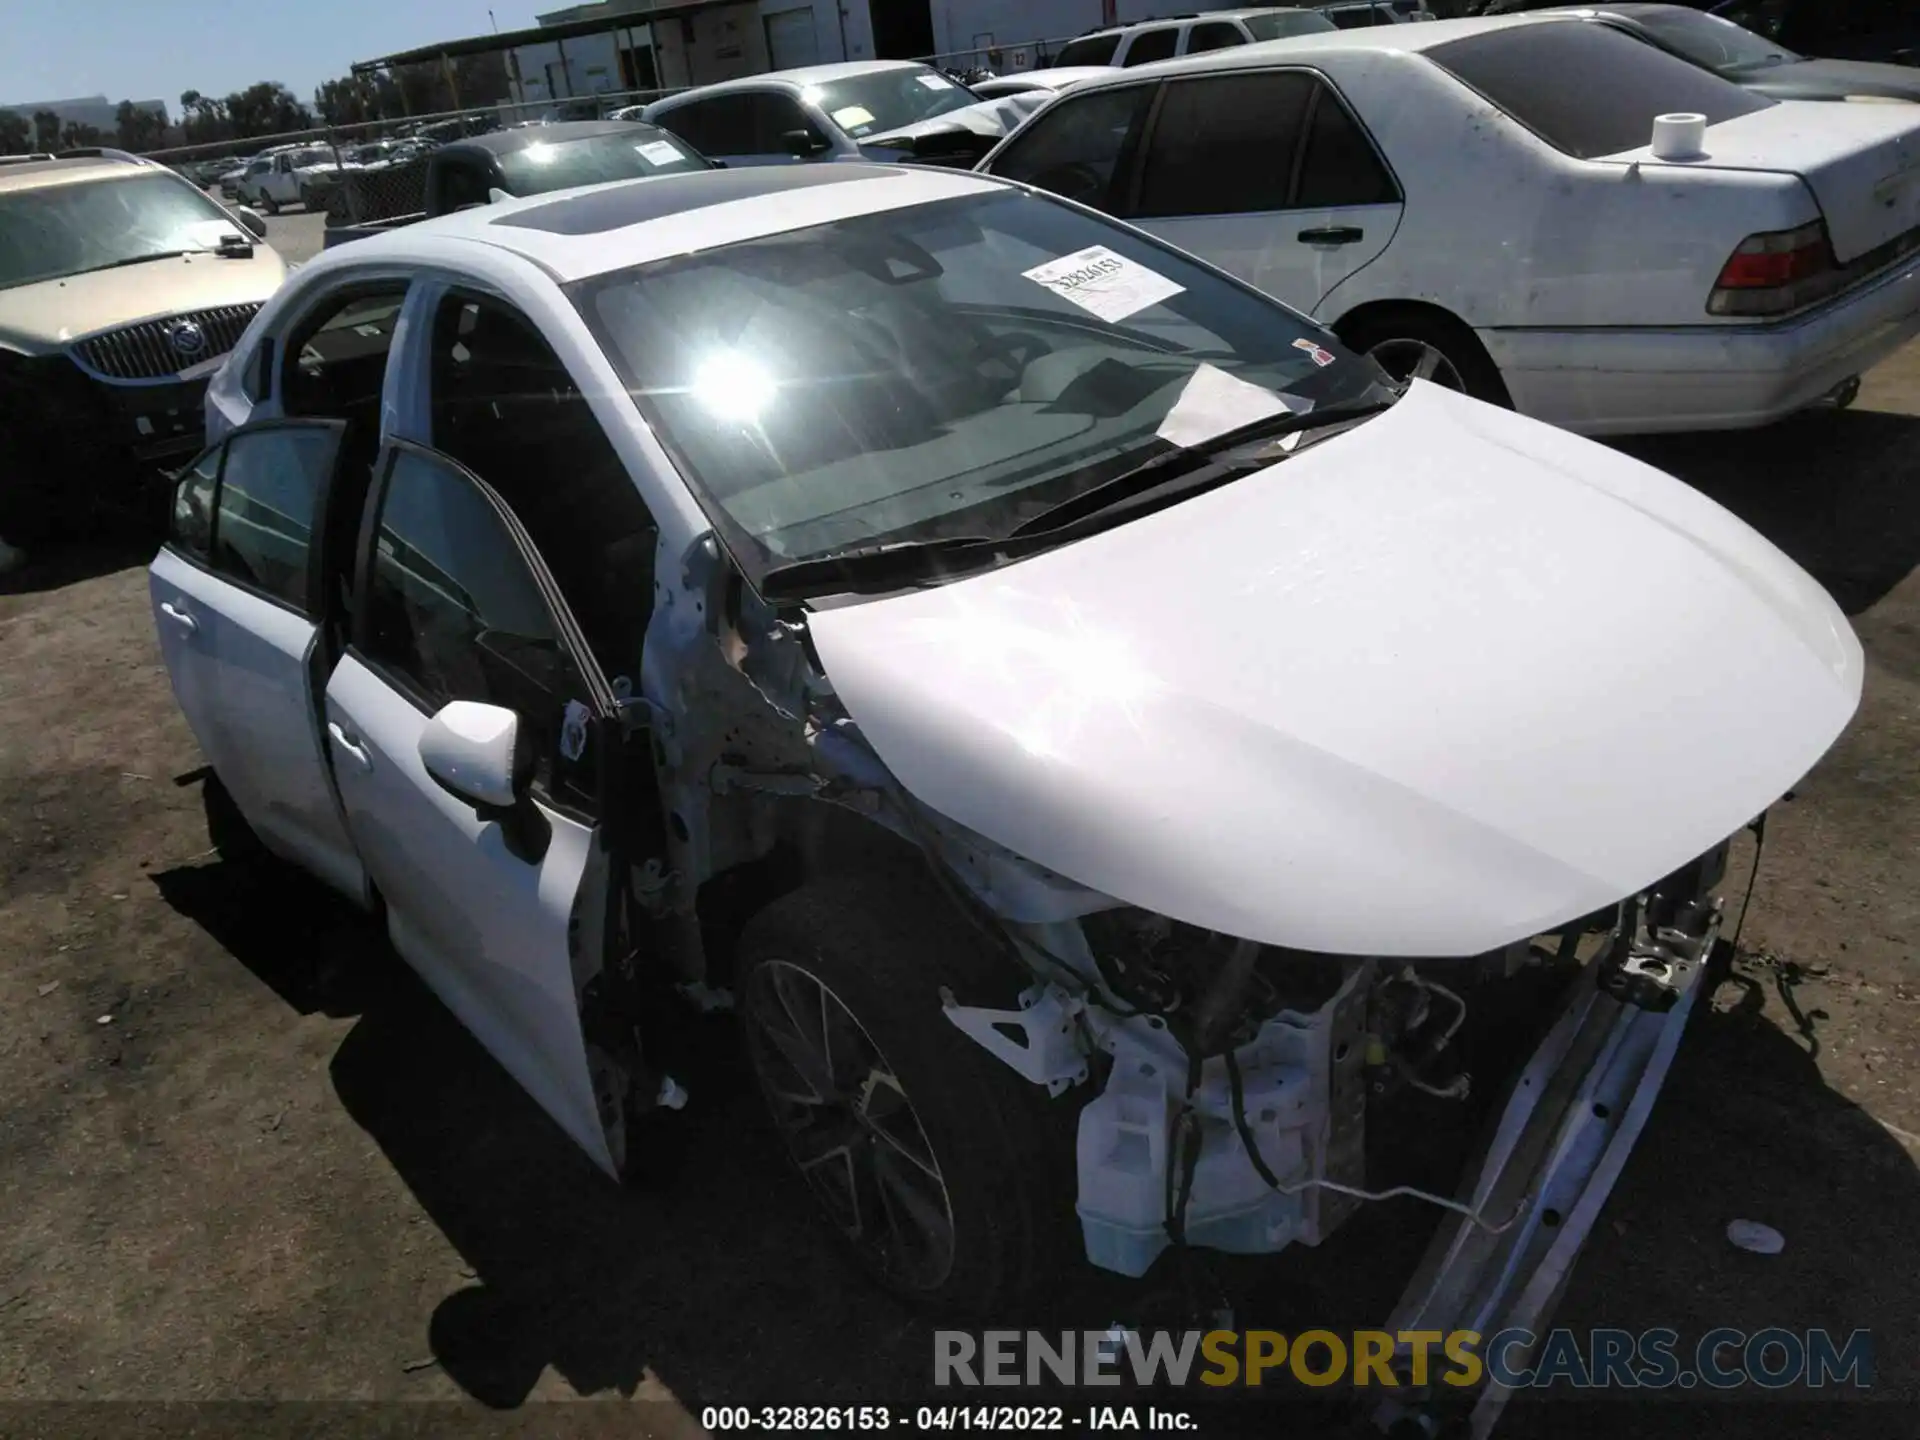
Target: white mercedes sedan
pixel 1482 203
pixel 1101 735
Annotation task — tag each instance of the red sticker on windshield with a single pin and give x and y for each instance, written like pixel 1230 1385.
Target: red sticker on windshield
pixel 1322 356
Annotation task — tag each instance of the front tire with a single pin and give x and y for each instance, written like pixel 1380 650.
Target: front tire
pixel 1409 342
pixel 269 204
pixel 948 1176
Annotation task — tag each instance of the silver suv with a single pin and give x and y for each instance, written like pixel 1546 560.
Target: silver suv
pixel 1152 40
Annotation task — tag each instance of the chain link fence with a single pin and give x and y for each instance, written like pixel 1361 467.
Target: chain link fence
pixel 446 125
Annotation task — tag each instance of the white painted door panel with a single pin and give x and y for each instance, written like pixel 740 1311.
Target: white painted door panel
pixel 238 665
pixel 487 930
pixel 1267 251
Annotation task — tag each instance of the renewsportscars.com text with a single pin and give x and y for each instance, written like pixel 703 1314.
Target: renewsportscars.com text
pixel 1658 1359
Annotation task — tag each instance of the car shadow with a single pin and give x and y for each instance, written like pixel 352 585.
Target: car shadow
pixel 713 1279
pixel 336 963
pixel 1839 491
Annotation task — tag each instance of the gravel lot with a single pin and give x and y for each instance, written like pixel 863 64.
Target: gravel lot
pixel 244 1157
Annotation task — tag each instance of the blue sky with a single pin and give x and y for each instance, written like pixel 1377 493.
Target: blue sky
pixel 154 49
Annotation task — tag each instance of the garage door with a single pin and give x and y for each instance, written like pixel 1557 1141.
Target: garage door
pixel 790 38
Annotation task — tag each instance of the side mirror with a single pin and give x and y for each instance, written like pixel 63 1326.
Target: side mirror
pixel 479 754
pixel 495 195
pixel 803 143
pixel 952 145
pixel 255 222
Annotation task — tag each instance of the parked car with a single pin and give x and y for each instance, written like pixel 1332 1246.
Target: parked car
pixel 1877 30
pixel 515 162
pixel 1359 14
pixel 863 110
pixel 228 179
pixel 121 287
pixel 1461 213
pixel 794 556
pixel 1151 40
pixel 1886 30
pixel 291 177
pixel 1044 83
pixel 1750 60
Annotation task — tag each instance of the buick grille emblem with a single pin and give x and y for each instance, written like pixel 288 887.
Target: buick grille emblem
pixel 188 338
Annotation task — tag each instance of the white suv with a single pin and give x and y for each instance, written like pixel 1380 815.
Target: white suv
pixel 1152 40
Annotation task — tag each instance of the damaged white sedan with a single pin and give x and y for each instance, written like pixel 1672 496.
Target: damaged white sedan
pixel 1102 734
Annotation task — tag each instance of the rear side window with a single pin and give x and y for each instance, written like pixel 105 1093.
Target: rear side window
pixel 1151 45
pixel 1623 83
pixel 269 492
pixel 1354 17
pixel 1213 35
pixel 1225 144
pixel 1092 50
pixel 1077 146
pixel 721 126
pixel 337 360
pixel 1340 167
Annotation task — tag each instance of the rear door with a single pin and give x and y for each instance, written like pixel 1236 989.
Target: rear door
pixel 1205 35
pixel 742 128
pixel 455 605
pixel 1268 175
pixel 1143 47
pixel 235 596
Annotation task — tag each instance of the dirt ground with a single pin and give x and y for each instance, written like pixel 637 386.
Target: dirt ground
pixel 244 1158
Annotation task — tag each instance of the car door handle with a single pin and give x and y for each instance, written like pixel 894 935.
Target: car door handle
pixel 1333 235
pixel 179 617
pixel 351 744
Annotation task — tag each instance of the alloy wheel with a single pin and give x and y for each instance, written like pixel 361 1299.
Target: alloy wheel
pixel 1408 359
pixel 848 1124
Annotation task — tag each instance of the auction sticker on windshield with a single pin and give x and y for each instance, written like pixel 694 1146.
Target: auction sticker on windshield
pixel 1103 283
pixel 934 82
pixel 658 152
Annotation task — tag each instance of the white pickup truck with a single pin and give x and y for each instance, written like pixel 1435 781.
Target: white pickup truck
pixel 271 181
pixel 1102 736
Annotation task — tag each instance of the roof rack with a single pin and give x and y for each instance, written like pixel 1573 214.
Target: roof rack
pixel 101 152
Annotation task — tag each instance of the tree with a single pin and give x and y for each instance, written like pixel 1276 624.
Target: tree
pixel 46 130
pixel 138 129
pixel 268 108
pixel 16 135
pixel 203 119
pixel 74 135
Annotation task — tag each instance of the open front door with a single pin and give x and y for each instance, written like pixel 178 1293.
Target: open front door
pixel 454 604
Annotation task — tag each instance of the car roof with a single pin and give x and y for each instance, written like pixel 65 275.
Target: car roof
pixel 1629 9
pixel 1242 13
pixel 1406 39
pixel 508 142
pixel 574 234
pixel 795 79
pixel 35 174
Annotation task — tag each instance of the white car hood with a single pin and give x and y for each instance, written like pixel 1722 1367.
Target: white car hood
pixel 998 116
pixel 1427 688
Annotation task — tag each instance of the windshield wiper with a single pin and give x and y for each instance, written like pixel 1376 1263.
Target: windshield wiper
pixel 909 564
pixel 140 260
pixel 876 569
pixel 1192 466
